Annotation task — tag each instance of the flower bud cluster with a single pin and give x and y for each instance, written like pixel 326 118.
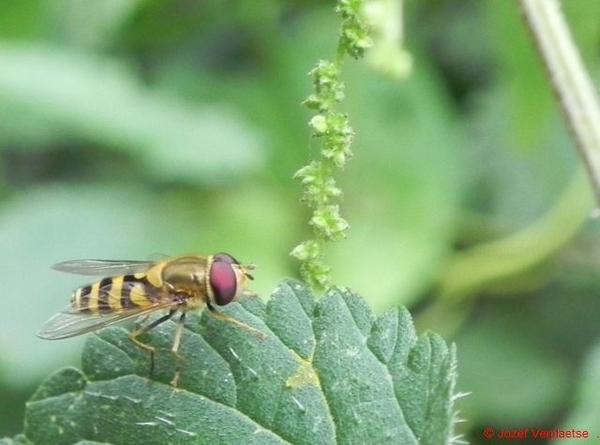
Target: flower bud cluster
pixel 335 135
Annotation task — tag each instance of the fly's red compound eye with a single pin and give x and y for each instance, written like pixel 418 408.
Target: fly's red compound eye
pixel 225 258
pixel 223 279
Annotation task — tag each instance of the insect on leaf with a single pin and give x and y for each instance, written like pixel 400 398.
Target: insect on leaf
pixel 328 372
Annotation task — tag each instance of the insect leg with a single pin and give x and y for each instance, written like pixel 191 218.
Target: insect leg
pixel 151 349
pixel 224 317
pixel 175 348
pixel 141 320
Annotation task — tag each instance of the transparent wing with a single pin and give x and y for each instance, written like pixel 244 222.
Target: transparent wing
pixel 71 322
pixel 100 268
pixel 112 306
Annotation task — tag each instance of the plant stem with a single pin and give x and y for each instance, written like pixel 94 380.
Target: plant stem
pixel 569 79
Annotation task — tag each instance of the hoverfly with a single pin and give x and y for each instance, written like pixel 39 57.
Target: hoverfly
pixel 134 288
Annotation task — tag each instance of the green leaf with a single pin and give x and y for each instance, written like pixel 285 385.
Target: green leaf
pixel 328 372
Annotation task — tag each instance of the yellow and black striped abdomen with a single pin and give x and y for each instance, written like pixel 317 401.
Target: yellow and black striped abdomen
pixel 115 294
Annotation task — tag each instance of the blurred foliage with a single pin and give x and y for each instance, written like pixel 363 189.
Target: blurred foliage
pixel 130 128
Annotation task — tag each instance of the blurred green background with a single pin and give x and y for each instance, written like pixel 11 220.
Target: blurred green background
pixel 130 128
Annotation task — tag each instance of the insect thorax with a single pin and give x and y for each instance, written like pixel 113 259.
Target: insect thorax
pixel 187 276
